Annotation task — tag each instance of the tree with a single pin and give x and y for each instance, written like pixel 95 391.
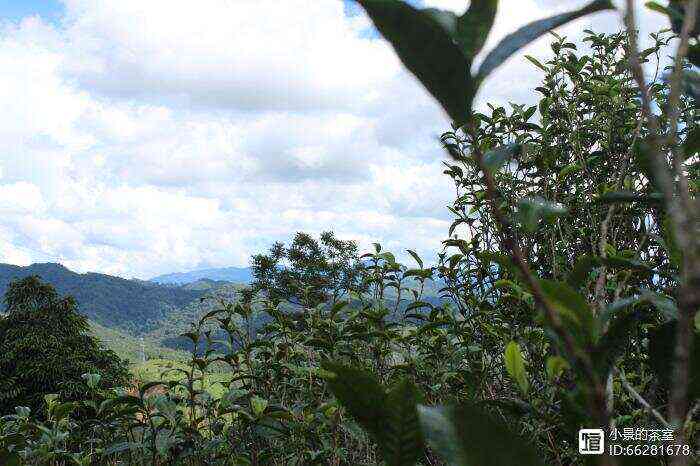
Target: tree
pixel 308 272
pixel 45 348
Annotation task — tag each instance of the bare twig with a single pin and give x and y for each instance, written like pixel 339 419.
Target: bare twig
pixel 602 244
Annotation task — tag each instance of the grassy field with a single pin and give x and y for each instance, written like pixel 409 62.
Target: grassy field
pixel 129 348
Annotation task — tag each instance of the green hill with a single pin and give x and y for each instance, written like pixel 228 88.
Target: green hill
pixel 130 348
pixel 133 306
pixel 122 312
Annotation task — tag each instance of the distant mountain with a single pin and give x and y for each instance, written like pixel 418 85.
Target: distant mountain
pixel 205 284
pixel 242 275
pixel 133 306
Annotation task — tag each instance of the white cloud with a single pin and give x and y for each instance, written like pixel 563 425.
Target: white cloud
pixel 20 197
pixel 145 137
pixel 239 54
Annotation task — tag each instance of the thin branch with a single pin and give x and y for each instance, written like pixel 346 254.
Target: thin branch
pixel 683 219
pixel 658 158
pixel 602 246
pixel 674 100
pixel 645 404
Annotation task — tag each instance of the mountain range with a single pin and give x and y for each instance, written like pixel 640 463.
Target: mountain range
pixel 226 274
pixel 129 314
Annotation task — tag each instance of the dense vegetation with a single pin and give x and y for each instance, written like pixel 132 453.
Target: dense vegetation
pixel 569 289
pixel 45 349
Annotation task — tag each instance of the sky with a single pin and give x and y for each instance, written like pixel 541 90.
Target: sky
pixel 140 138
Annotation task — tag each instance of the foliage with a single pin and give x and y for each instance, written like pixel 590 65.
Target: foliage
pixel 45 348
pixel 308 272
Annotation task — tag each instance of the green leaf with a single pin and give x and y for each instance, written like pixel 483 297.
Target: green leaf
pixel 582 269
pixel 467 436
pixel 258 405
pixel 526 34
pixel 496 158
pixel 403 444
pixel 655 6
pixel 474 26
pixel 391 418
pixel 569 169
pixel 415 256
pixel 556 365
pixel 532 210
pixel 614 341
pixel 515 365
pixel 387 256
pixel 573 309
pixel 361 394
pixel 536 62
pixel 62 410
pixel 92 380
pixel 429 51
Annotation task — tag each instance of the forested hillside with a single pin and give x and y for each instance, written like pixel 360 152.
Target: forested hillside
pixel 133 349
pixel 134 306
pixel 121 311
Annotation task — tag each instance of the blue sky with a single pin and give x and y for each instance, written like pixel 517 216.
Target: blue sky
pixel 51 10
pixel 14 10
